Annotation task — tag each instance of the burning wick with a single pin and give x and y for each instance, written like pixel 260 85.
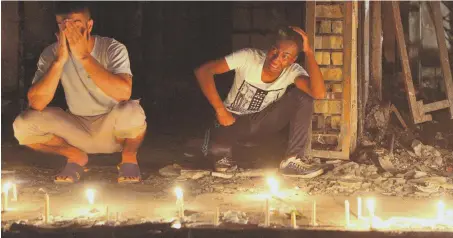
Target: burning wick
pixel 359 207
pixel 370 204
pixel 6 187
pixel 46 208
pixel 313 215
pixel 180 201
pixel 273 185
pixel 346 213
pixel 440 210
pixel 90 195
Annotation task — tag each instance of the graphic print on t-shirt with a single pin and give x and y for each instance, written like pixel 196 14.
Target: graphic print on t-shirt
pixel 251 99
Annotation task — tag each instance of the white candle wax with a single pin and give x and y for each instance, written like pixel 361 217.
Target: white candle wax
pixel 313 215
pixel 346 213
pixel 359 207
pixel 267 217
pixel 293 220
pixel 14 192
pixel 46 208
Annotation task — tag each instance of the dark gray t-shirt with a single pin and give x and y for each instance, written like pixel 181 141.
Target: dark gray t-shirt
pixel 83 97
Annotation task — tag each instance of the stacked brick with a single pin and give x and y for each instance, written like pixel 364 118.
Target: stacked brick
pixel 329 55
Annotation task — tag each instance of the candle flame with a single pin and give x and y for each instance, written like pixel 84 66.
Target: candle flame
pixel 273 185
pixel 179 193
pixel 90 195
pixel 371 206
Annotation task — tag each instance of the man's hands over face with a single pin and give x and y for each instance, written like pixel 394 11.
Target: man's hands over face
pixel 78 42
pixel 62 51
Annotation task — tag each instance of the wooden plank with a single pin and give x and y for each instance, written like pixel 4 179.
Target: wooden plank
pixel 398 115
pixel 310 28
pixel 353 105
pixel 363 64
pixel 344 141
pixel 436 106
pixel 436 14
pixel 388 30
pixel 407 75
pixel 376 48
pixel 330 154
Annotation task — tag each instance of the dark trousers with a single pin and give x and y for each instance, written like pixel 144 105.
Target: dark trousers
pixel 295 107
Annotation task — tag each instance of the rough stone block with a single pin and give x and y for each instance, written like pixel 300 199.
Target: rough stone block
pixel 337 58
pixel 240 41
pixel 336 42
pixel 318 42
pixel 335 107
pixel 335 122
pixel 325 27
pixel 322 58
pixel 337 88
pixel 242 19
pixel 332 74
pixel 337 26
pixel 329 11
pixel 321 106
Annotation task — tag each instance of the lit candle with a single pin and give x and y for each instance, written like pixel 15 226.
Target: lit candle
pixel 273 185
pixel 46 208
pixel 217 217
pixel 371 209
pixel 346 213
pixel 440 210
pixel 107 213
pixel 313 215
pixel 359 207
pixel 5 197
pixel 180 201
pixel 90 195
pixel 14 192
pixel 293 220
pixel 267 218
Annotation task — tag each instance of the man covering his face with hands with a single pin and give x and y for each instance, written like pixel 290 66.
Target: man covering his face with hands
pixel 97 81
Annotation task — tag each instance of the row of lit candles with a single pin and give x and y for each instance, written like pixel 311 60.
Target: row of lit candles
pixel 274 193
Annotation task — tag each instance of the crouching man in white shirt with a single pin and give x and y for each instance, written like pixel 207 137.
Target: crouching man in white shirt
pixel 259 102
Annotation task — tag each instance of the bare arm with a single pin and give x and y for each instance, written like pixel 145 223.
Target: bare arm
pixel 314 85
pixel 42 92
pixel 117 86
pixel 205 77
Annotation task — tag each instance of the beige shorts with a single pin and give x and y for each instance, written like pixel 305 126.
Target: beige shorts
pixel 92 134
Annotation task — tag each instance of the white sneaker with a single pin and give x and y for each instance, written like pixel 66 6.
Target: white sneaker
pixel 226 164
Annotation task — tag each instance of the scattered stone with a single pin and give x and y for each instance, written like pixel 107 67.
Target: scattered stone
pixel 194 174
pixel 235 217
pixel 171 170
pixel 417 147
pixel 222 175
pixel 256 172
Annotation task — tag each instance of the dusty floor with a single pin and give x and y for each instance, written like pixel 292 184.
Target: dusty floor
pixel 412 191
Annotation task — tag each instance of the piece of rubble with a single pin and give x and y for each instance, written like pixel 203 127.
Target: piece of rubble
pixel 417 147
pixel 430 188
pixel 387 164
pixel 222 175
pixel 235 217
pixel 194 174
pixel 171 170
pixel 256 172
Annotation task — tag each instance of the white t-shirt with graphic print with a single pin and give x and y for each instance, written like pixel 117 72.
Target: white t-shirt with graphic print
pixel 249 94
pixel 83 96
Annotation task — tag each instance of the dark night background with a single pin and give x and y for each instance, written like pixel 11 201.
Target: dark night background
pixel 166 41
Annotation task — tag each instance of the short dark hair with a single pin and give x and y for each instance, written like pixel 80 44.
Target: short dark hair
pixel 286 33
pixel 64 8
